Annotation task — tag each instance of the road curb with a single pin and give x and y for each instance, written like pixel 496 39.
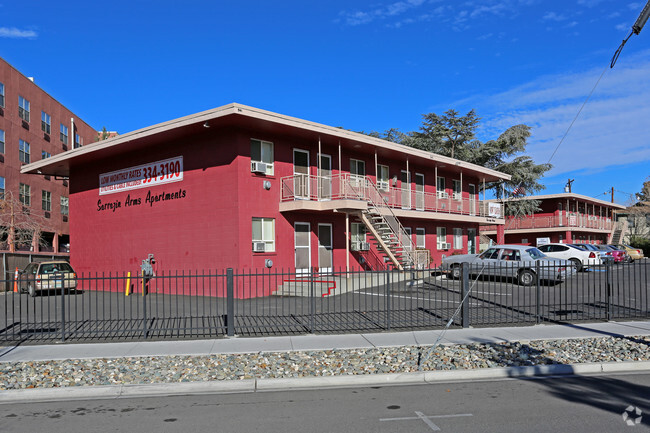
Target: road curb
pixel 322 382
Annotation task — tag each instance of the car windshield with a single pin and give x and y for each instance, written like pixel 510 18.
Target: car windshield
pixel 535 253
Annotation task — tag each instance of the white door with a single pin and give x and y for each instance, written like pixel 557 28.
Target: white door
pixel 325 248
pixel 302 232
pixel 471 241
pixel 406 190
pixel 472 199
pixel 325 178
pixel 301 174
pixel 419 191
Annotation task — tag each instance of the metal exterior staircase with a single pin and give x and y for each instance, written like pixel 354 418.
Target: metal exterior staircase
pixel 387 230
pixel 619 230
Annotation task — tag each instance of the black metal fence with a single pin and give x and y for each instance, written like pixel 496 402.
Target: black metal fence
pixel 214 304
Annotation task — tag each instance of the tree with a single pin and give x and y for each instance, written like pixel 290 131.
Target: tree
pixel 18 226
pixel 454 135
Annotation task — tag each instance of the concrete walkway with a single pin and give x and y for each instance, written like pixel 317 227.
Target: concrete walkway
pixel 321 342
pixel 316 342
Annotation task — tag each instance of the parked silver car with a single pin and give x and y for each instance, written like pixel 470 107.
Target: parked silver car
pixel 516 261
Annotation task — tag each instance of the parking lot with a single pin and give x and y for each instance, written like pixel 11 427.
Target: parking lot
pixel 427 300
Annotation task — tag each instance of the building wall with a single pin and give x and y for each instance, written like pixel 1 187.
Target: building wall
pixel 16 84
pixel 210 227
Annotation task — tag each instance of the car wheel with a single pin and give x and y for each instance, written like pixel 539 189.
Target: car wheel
pixel 576 264
pixel 454 273
pixel 31 290
pixel 527 277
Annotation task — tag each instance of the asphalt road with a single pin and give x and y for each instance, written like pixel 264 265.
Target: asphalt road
pixel 576 404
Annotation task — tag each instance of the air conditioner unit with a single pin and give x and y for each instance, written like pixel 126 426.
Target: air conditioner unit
pixel 443 194
pixel 259 247
pixel 364 246
pixel 258 167
pixel 444 246
pixel 457 195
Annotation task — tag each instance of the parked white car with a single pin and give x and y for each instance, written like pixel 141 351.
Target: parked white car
pixel 581 258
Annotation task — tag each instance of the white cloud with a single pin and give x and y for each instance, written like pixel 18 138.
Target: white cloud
pixel 552 16
pixel 12 32
pixel 391 10
pixel 611 129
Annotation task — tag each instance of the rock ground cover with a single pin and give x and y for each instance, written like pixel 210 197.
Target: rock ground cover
pixel 336 362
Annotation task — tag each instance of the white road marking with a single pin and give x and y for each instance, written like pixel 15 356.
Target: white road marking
pixel 411 297
pixel 426 418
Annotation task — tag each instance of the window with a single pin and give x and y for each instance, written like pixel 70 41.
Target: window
pixel 457 190
pixel 64 205
pixel 46 122
pixel 2 95
pixel 2 141
pixel 23 151
pixel 262 151
pixel 46 200
pixel 440 183
pixel 63 135
pixel 441 238
pixel 420 239
pixel 357 171
pixel 25 194
pixel 23 108
pixel 382 177
pixel 264 231
pixel 2 187
pixel 491 253
pixel 458 239
pixel 357 236
pixel 45 155
pixel 78 141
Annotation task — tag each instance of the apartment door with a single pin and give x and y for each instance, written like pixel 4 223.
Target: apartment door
pixel 559 212
pixel 301 174
pixel 471 241
pixel 406 190
pixel 302 247
pixel 325 248
pixel 325 178
pixel 419 191
pixel 472 199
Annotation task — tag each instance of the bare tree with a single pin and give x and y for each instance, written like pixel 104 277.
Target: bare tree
pixel 19 228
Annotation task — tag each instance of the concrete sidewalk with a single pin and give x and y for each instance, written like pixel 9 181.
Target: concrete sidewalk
pixel 322 342
pixel 314 343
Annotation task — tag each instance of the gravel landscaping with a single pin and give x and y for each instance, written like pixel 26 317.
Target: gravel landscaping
pixel 171 369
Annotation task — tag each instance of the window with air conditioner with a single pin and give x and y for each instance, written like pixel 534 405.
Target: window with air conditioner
pixel 25 194
pixel 263 235
pixel 440 188
pixel 382 178
pixel 2 95
pixel 23 108
pixel 458 193
pixel 63 134
pixel 261 157
pixel 441 238
pixel 358 237
pixel 46 122
pixel 46 200
pixel 2 141
pixel 64 205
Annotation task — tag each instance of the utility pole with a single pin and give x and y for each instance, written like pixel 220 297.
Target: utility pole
pixel 567 187
pixel 612 194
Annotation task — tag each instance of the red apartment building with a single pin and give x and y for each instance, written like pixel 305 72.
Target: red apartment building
pixel 34 126
pixel 242 187
pixel 565 218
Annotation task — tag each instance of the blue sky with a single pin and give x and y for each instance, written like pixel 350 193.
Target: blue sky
pixel 362 65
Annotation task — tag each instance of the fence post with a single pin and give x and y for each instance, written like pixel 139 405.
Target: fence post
pixel 59 278
pixel 312 300
pixel 145 326
pixel 230 302
pixel 388 295
pixel 608 277
pixel 538 294
pixel 464 282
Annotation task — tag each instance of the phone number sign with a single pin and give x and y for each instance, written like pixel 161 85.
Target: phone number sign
pixel 142 176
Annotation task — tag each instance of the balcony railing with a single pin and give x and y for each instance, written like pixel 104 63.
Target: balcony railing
pixel 556 221
pixel 354 187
